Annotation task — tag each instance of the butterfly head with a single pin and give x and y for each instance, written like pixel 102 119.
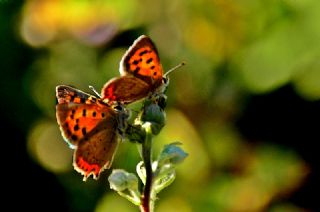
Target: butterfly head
pixel 165 81
pixel 121 109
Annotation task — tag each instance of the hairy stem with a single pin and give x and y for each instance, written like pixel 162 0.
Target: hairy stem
pixel 146 205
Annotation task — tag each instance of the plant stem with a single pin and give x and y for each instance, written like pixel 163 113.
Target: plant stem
pixel 146 205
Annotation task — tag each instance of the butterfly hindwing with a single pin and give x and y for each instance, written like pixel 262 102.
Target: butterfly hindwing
pixel 142 61
pixel 125 89
pixel 95 152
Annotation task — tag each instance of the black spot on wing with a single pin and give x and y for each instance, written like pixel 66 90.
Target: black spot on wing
pixel 84 131
pixel 136 70
pixel 149 60
pixel 74 137
pixel 143 52
pixel 76 127
pixel 135 62
pixel 68 132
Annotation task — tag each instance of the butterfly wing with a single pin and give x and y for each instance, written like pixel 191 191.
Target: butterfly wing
pixel 142 61
pixel 125 89
pixel 72 110
pixel 89 126
pixel 96 150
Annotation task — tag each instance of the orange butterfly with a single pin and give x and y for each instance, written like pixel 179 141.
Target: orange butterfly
pixel 141 74
pixel 92 125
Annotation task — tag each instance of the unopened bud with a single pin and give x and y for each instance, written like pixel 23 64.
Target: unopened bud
pixel 121 180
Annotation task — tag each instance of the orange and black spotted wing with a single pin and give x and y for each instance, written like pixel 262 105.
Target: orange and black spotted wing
pixel 89 126
pixel 95 151
pixel 67 94
pixel 142 61
pixel 77 113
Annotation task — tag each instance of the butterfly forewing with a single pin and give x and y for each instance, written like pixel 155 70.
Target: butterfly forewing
pixel 142 61
pixel 76 120
pixel 67 94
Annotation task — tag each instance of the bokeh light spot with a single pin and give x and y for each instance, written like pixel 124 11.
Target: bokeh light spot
pixel 46 146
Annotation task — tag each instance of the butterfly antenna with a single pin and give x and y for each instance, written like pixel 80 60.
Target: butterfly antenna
pixel 174 68
pixel 94 91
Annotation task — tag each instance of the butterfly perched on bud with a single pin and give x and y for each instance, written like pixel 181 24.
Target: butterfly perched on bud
pixel 92 125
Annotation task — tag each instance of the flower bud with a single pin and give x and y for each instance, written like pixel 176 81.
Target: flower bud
pixel 154 113
pixel 172 153
pixel 121 180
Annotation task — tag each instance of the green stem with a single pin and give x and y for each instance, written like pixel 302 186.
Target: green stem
pixel 146 205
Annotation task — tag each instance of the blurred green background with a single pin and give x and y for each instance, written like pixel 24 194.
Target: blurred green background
pixel 246 106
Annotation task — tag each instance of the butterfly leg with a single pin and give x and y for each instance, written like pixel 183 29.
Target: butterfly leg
pixel 122 118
